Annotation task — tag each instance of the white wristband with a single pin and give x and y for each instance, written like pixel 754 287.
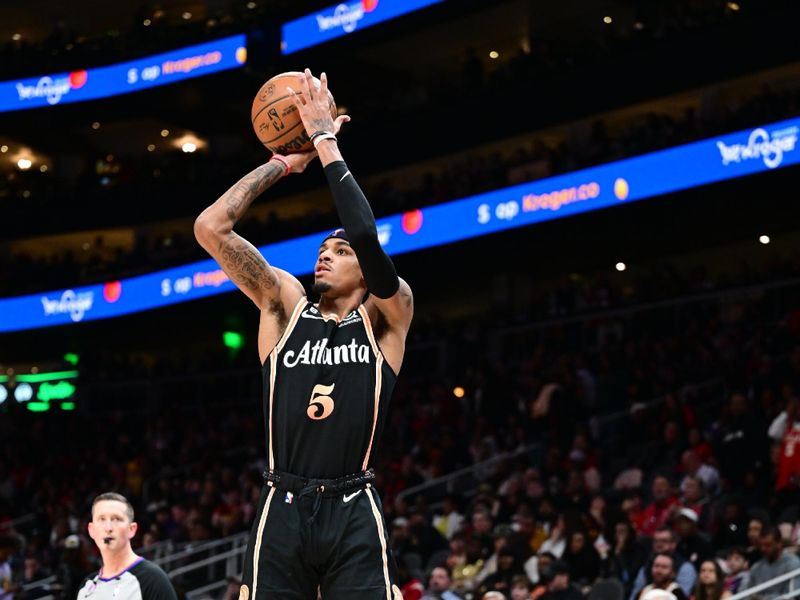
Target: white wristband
pixel 324 136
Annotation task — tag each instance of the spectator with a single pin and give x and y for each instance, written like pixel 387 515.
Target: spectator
pixel 410 585
pixel 558 584
pixel 710 582
pixel 738 570
pixel 694 467
pixel 507 568
pixel 785 430
pixel 32 572
pixel 695 498
pixel 582 559
pixel 664 542
pixel 627 555
pixel 73 568
pixel 739 441
pixel 450 520
pixel 732 526
pixel 755 529
pixel 439 584
pixel 663 576
pixel 659 511
pixel 692 544
pixel 775 562
pixel 521 588
pixel 8 545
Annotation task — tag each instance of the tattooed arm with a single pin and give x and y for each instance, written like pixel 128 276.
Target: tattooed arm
pixel 240 260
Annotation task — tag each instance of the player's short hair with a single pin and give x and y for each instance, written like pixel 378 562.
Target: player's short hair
pixel 117 498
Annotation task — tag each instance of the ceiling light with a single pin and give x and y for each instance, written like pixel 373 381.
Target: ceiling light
pixel 189 147
pixel 764 239
pixel 608 20
pixel 3 148
pixel 151 147
pixel 43 168
pixel 164 132
pixel 186 16
pixel 16 37
pixel 621 266
pixel 733 6
pixel 96 125
pixel 251 5
pixel 494 54
pixel 24 163
pixel 146 22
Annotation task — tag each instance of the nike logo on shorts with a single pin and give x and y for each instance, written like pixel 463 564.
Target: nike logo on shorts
pixel 348 497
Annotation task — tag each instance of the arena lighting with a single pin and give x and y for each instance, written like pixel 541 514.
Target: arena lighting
pixel 43 168
pixel 251 5
pixel 146 22
pixel 621 266
pixel 764 239
pixel 494 54
pixel 151 147
pixel 189 147
pixel 3 394
pixel 733 6
pixel 123 78
pixel 164 133
pixel 233 340
pixel 721 158
pixel 458 392
pixel 24 164
pixel 186 16
pixel 16 37
pixel 608 20
pixel 96 125
pixel 3 148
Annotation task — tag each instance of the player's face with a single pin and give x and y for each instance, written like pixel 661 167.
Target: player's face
pixel 337 267
pixel 111 528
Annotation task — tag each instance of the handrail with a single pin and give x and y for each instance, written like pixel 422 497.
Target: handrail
pixel 207 561
pixel 235 539
pixel 768 584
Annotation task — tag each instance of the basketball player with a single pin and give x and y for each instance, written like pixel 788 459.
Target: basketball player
pixel 328 369
pixel 124 575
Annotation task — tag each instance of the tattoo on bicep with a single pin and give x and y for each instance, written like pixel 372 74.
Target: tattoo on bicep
pixel 245 265
pixel 243 192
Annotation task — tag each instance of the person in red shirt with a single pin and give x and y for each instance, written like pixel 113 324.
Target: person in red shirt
pixel 660 510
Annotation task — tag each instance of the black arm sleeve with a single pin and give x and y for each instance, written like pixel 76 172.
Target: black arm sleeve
pixel 359 224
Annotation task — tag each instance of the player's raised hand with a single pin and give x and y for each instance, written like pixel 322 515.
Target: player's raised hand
pixel 314 107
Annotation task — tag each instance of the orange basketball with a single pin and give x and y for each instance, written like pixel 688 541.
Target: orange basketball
pixel 276 119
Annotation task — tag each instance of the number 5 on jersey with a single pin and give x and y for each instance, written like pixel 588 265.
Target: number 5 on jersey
pixel 320 405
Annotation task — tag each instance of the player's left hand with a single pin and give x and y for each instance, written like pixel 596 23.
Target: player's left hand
pixel 314 105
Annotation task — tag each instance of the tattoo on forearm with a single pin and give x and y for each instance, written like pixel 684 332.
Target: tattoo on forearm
pixel 241 195
pixel 245 265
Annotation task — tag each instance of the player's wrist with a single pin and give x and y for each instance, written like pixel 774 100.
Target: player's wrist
pixel 321 136
pixel 283 160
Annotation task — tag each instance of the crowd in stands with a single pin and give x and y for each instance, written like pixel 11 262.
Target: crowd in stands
pixel 686 490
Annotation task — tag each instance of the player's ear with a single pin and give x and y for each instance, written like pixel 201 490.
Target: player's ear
pixel 90 529
pixel 134 527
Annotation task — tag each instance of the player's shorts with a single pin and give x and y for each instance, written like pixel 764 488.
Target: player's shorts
pixel 326 534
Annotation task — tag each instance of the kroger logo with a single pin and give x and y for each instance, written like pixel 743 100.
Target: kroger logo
pixel 75 305
pixel 345 16
pixel 47 87
pixel 761 145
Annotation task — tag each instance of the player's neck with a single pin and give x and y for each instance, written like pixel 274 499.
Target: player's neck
pixel 341 306
pixel 114 564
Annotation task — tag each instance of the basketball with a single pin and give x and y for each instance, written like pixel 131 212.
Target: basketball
pixel 276 119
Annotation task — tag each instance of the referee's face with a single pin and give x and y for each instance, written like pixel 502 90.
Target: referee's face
pixel 111 528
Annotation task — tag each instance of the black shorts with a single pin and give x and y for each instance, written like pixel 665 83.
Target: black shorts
pixel 338 544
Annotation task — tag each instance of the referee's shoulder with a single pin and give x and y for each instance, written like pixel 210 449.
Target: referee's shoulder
pixel 153 581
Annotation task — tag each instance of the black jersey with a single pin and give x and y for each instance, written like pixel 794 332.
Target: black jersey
pixel 326 392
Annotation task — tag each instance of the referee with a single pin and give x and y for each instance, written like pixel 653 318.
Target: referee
pixel 124 575
pixel 328 370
